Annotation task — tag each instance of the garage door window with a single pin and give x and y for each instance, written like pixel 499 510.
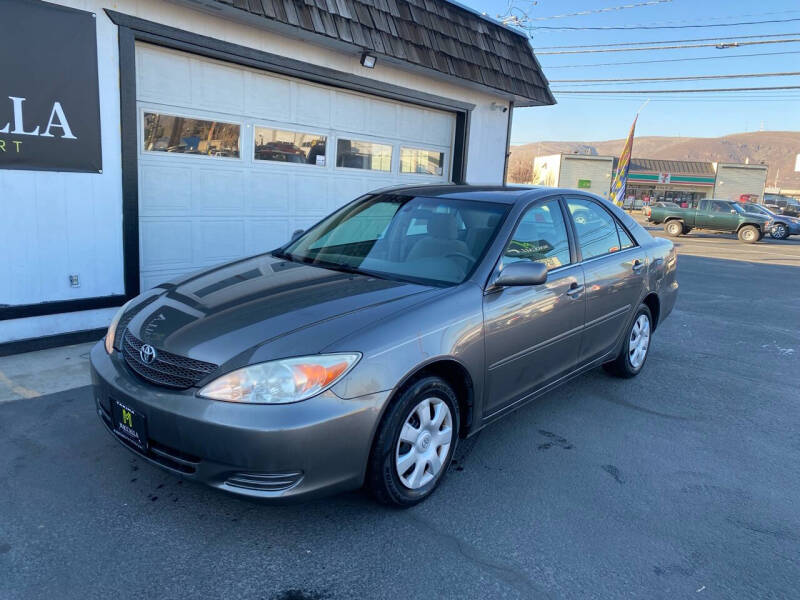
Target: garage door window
pixel 363 155
pixel 289 146
pixel 187 135
pixel 421 162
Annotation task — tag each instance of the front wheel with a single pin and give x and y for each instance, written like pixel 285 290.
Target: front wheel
pixel 633 354
pixel 779 231
pixel 674 228
pixel 749 234
pixel 414 444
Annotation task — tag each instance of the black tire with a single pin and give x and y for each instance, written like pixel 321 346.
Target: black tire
pixel 673 228
pixel 779 231
pixel 382 480
pixel 749 234
pixel 621 366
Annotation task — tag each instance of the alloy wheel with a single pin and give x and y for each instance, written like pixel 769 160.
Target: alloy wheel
pixel 779 232
pixel 639 341
pixel 424 443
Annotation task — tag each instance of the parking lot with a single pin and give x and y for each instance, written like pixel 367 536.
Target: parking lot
pixel 680 483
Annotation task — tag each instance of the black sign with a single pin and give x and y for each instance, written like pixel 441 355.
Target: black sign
pixel 49 102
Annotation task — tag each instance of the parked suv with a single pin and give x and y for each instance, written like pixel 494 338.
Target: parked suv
pixel 715 215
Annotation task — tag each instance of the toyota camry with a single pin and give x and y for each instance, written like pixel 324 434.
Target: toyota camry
pixel 362 351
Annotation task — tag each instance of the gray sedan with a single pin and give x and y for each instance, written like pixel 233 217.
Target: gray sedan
pixel 363 350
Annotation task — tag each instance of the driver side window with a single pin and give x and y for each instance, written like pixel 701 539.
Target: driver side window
pixel 541 236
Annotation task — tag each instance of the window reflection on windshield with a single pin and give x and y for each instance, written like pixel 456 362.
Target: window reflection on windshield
pixel 428 240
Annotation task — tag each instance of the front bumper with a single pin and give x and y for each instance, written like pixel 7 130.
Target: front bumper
pixel 278 452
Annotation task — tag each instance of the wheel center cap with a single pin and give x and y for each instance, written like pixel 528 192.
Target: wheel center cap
pixel 424 441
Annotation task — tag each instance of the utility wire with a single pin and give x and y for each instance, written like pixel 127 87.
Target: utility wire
pixel 636 27
pixel 525 17
pixel 687 91
pixel 680 78
pixel 600 10
pixel 711 39
pixel 722 46
pixel 667 60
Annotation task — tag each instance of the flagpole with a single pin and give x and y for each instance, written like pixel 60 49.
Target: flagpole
pixel 641 108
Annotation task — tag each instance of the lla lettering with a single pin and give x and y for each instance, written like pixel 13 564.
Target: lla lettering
pixel 57 123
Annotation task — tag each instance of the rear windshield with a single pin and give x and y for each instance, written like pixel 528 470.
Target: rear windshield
pixel 436 241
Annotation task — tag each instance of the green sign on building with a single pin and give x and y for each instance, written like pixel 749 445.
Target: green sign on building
pixel 584 183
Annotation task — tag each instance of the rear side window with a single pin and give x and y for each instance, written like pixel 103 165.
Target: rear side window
pixel 625 240
pixel 598 231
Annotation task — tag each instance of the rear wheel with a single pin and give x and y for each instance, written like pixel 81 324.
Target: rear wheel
pixel 674 228
pixel 779 231
pixel 414 444
pixel 749 234
pixel 633 354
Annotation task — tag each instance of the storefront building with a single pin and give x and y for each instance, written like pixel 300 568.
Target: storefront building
pixel 653 180
pixel 682 182
pixel 144 139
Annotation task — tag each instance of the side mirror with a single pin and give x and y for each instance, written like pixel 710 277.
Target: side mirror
pixel 522 272
pixel 296 234
pixel 733 211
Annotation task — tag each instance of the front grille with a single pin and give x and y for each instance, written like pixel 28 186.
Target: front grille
pixel 169 370
pixel 265 482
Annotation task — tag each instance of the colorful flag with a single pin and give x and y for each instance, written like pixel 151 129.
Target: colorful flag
pixel 621 176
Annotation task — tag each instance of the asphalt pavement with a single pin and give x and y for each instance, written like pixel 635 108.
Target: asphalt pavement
pixel 680 483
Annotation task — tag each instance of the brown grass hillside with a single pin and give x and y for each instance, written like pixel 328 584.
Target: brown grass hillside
pixel 774 148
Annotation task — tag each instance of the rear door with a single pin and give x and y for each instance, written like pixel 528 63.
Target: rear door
pixel 614 269
pixel 533 332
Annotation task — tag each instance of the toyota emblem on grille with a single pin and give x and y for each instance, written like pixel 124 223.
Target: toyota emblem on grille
pixel 147 353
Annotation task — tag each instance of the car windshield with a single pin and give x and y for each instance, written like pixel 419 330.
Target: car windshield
pixel 756 208
pixel 435 241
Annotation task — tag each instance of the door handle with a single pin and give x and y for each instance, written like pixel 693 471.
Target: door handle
pixel 637 265
pixel 575 290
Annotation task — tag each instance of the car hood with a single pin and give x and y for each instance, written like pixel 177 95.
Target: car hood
pixel 759 216
pixel 219 314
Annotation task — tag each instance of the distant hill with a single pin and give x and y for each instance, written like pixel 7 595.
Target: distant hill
pixel 774 148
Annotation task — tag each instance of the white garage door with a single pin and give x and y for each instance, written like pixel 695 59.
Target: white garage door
pixel 232 160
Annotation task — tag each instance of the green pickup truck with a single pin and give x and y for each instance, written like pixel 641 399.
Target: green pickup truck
pixel 715 215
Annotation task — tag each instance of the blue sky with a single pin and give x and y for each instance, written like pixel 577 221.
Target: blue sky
pixel 600 118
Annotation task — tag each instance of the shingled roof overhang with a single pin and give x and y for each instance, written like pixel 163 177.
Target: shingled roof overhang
pixel 438 37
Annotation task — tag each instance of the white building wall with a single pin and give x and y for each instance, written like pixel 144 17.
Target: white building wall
pixel 546 170
pixel 596 169
pixel 733 180
pixel 58 224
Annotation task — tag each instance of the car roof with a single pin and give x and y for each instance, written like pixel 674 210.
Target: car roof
pixel 504 194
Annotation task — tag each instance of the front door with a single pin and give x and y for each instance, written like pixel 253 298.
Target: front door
pixel 533 332
pixel 614 269
pixel 717 215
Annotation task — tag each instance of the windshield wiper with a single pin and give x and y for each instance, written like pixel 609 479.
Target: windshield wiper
pixel 345 268
pixel 279 253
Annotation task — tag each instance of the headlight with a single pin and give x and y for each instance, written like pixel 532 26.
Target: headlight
pixel 281 381
pixel 112 329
